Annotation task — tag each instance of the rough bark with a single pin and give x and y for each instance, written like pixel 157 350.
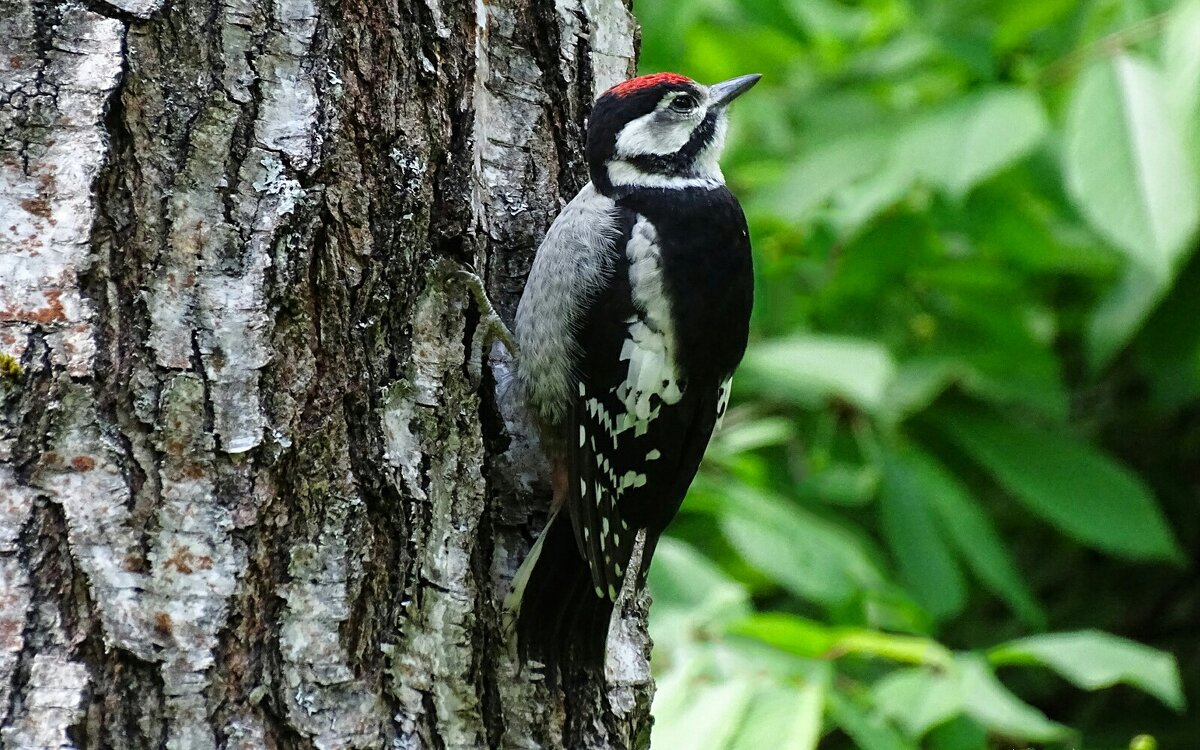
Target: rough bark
pixel 249 495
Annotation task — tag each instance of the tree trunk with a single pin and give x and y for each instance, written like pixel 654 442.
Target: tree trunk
pixel 249 494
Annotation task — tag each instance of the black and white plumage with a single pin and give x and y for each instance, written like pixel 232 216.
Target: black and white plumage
pixel 633 319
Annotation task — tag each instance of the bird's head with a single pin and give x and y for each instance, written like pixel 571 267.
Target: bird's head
pixel 661 130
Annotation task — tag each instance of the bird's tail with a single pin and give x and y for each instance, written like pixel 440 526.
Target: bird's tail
pixel 559 618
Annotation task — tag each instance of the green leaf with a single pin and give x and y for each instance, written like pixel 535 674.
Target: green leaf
pixel 990 703
pixel 783 716
pixel 699 714
pixel 1016 22
pixel 1077 489
pixel 901 648
pixel 1121 313
pixel 960 733
pixel 811 369
pixel 1092 660
pixel 690 593
pixel 841 483
pixel 893 609
pixel 1128 171
pixel 812 640
pixel 969 529
pixel 973 138
pixel 786 632
pixel 823 171
pixel 927 568
pixel 1126 165
pixel 868 732
pixel 954 148
pixel 752 434
pixel 1181 69
pixel 917 699
pixel 830 19
pixel 918 383
pixel 806 554
pixel 858 203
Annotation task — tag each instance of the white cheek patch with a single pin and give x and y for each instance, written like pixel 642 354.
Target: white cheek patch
pixel 658 138
pixel 650 135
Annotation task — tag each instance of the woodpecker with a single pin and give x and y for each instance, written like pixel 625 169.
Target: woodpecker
pixel 634 317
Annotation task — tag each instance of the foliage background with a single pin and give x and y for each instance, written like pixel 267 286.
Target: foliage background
pixel 955 506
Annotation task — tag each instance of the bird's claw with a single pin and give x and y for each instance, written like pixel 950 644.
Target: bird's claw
pixel 491 327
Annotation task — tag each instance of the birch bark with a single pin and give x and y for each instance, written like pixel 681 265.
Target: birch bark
pixel 248 495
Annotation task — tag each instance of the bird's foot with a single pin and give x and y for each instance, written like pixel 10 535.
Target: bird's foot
pixel 491 327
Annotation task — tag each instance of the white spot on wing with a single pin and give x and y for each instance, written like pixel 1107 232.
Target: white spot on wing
pixel 632 479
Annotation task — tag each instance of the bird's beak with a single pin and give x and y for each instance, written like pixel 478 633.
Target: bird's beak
pixel 721 94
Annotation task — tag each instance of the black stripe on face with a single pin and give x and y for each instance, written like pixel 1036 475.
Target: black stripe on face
pixel 681 161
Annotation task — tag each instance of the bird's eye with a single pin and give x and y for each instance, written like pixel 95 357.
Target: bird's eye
pixel 683 103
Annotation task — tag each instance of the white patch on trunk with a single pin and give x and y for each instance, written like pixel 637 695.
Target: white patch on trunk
pixel 324 699
pixel 194 564
pixel 610 32
pixel 15 594
pixel 53 703
pixel 199 299
pixel 429 672
pixel 139 8
pixel 245 732
pixel 46 201
pixel 289 95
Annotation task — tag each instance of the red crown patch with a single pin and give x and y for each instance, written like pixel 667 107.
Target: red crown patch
pixel 641 82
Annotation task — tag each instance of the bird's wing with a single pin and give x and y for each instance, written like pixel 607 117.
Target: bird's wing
pixel 636 432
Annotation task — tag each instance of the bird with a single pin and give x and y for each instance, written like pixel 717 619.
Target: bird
pixel 633 319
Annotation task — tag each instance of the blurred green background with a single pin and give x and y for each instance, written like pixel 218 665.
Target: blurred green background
pixel 957 505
